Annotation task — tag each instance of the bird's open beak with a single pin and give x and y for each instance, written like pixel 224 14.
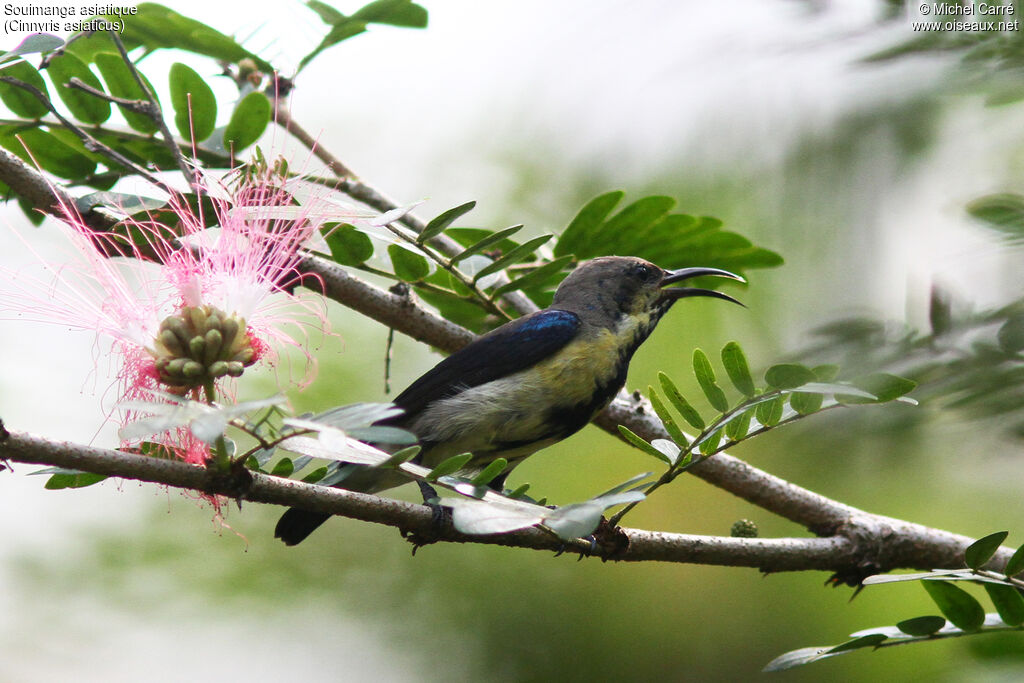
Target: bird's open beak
pixel 674 276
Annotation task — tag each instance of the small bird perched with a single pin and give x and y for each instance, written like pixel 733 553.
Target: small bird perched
pixel 531 382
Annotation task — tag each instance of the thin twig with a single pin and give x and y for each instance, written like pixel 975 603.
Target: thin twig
pixel 91 143
pixel 138 106
pixel 156 114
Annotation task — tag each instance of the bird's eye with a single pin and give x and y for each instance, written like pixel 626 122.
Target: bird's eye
pixel 644 272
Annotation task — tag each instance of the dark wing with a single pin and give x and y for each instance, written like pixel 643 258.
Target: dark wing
pixel 514 346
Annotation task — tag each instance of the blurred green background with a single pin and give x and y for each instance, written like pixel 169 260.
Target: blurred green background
pixel 759 113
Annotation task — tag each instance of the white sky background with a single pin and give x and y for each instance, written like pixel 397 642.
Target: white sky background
pixel 638 86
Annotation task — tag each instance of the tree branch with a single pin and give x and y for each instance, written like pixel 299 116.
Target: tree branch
pixel 876 542
pixel 770 555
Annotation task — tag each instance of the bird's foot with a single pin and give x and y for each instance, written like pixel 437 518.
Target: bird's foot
pixel 607 541
pixel 440 523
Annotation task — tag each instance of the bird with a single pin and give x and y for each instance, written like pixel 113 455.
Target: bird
pixel 532 381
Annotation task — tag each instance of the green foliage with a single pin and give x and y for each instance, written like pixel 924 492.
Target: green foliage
pixel 121 83
pixel 963 614
pixel 706 378
pixel 37 42
pixel 449 466
pixel 155 27
pixel 409 266
pixel 195 106
pixel 66 478
pixel 443 221
pixel 82 105
pixel 758 409
pixel 956 604
pixel 21 101
pixel 735 363
pixel 348 246
pixel 404 13
pixel 646 229
pixel 248 121
pixel 1004 212
pixel 982 550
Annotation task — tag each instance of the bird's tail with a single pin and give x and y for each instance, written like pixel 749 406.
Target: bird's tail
pixel 295 524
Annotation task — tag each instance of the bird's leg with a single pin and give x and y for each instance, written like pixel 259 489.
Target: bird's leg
pixel 611 541
pixel 441 519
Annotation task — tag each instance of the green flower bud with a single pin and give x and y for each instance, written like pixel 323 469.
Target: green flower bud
pixel 744 528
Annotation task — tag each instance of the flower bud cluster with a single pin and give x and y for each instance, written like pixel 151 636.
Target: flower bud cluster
pixel 200 344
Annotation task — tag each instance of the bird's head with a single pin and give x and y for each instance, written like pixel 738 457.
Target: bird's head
pixel 610 288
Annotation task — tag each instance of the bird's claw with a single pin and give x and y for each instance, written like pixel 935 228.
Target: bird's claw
pixel 440 520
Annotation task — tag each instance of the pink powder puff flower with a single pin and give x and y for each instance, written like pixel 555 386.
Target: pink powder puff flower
pixel 187 307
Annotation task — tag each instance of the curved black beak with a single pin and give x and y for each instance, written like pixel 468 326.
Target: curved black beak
pixel 674 276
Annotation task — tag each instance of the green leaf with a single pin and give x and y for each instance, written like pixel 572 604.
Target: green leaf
pixel 72 479
pixel 488 241
pixel 401 457
pixel 789 375
pixel 962 610
pixel 806 403
pixel 154 26
pixel 869 640
pixel 36 42
pixel 83 106
pixel 408 266
pixel 769 412
pixel 49 152
pixel 645 229
pixel 328 14
pixel 535 277
pixel 711 443
pixel 921 626
pixel 587 221
pixel 735 363
pixel 248 121
pixel 1015 565
pixel 1011 334
pixel 316 475
pixel 393 12
pixel 736 429
pixel 512 257
pixel 349 246
pixel 283 468
pixel 618 234
pixel 126 203
pixel 404 13
pixel 491 472
pixel 20 101
pixel 1008 602
pixel 666 418
pixel 439 224
pixel 706 378
pixel 681 405
pixel 884 386
pixel 450 466
pixel 642 444
pixel 982 550
pixel 121 83
pixel 1004 212
pixel 826 372
pixel 195 106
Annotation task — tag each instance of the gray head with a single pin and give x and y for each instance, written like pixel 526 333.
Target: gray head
pixel 606 289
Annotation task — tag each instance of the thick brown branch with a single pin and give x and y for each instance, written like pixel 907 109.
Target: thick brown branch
pixel 787 554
